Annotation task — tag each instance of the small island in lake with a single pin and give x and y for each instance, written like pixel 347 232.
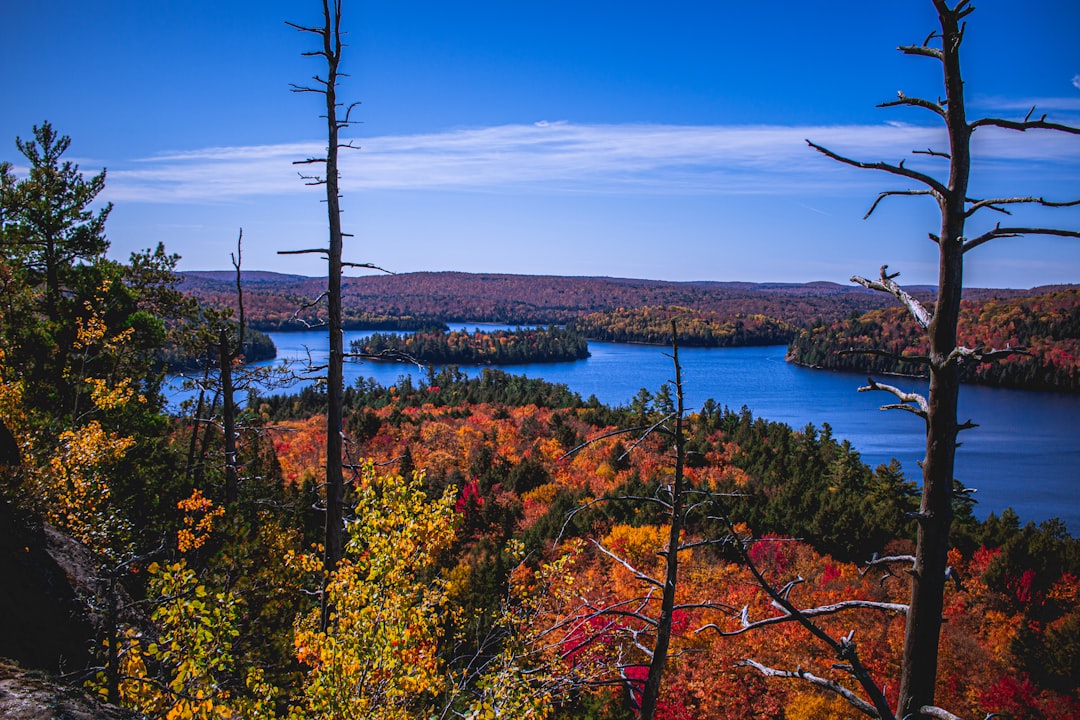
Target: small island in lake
pixel 497 347
pixel 258 346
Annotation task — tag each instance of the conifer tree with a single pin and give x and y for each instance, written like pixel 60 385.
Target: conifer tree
pixel 48 223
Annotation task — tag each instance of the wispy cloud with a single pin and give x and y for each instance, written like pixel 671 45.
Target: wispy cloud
pixel 1076 81
pixel 1021 106
pixel 561 157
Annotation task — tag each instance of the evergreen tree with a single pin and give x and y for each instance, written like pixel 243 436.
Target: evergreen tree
pixel 49 228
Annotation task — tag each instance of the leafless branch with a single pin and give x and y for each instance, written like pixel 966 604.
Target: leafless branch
pixel 823 610
pixel 304 28
pixel 305 89
pixel 368 266
pixel 348 113
pixel 936 712
pixel 921 408
pixel 387 356
pixel 1000 232
pixel 992 203
pixel 307 306
pixel 658 426
pixel 637 573
pixel 830 685
pixel 980 354
pixel 890 193
pixel 845 649
pixel 886 285
pixel 309 251
pixel 963 9
pixel 624 431
pixel 924 50
pixel 887 561
pixel 705 606
pixel 903 99
pixel 312 180
pixel 932 153
pixel 1024 125
pixel 938 190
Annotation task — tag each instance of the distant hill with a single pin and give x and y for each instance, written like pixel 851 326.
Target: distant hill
pixel 217 277
pixel 414 299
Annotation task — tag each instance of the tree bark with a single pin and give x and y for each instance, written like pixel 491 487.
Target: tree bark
pixel 228 416
pixel 923 631
pixel 335 390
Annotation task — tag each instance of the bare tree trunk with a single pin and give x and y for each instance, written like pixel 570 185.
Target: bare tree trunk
pixel 939 410
pixel 228 354
pixel 923 631
pixel 651 693
pixel 330 35
pixel 335 390
pixel 194 440
pixel 204 446
pixel 228 416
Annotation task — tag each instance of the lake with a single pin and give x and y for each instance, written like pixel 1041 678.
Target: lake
pixel 1025 454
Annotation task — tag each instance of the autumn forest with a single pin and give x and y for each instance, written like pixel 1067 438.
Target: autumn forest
pixel 506 548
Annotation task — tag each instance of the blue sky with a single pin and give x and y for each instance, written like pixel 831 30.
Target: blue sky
pixel 632 139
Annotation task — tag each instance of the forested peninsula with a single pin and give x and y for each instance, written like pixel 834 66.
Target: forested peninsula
pixel 1043 329
pixel 258 346
pixel 697 328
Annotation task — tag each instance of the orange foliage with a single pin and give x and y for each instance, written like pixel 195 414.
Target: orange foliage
pixel 300 446
pixel 705 679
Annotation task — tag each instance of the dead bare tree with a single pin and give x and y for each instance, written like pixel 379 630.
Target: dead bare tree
pixel 939 409
pixel 227 355
pixel 677 491
pixel 330 36
pixel 219 342
pixel 647 621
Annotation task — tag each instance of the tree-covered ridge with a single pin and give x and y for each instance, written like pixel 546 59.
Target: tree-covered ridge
pixel 273 299
pixel 697 328
pixel 481 347
pixel 1047 326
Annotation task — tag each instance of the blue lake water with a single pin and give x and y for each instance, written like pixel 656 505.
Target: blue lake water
pixel 1025 454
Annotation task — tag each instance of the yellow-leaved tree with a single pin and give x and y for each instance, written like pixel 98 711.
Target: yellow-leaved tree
pixel 67 477
pixel 379 656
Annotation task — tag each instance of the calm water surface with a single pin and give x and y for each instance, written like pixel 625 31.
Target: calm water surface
pixel 1025 454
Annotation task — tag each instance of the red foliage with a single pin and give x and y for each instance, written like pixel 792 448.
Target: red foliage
pixel 1018 697
pixel 769 553
pixel 1024 587
pixel 831 572
pixel 469 497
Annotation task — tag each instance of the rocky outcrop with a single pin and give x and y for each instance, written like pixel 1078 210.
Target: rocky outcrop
pixel 30 695
pixel 47 617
